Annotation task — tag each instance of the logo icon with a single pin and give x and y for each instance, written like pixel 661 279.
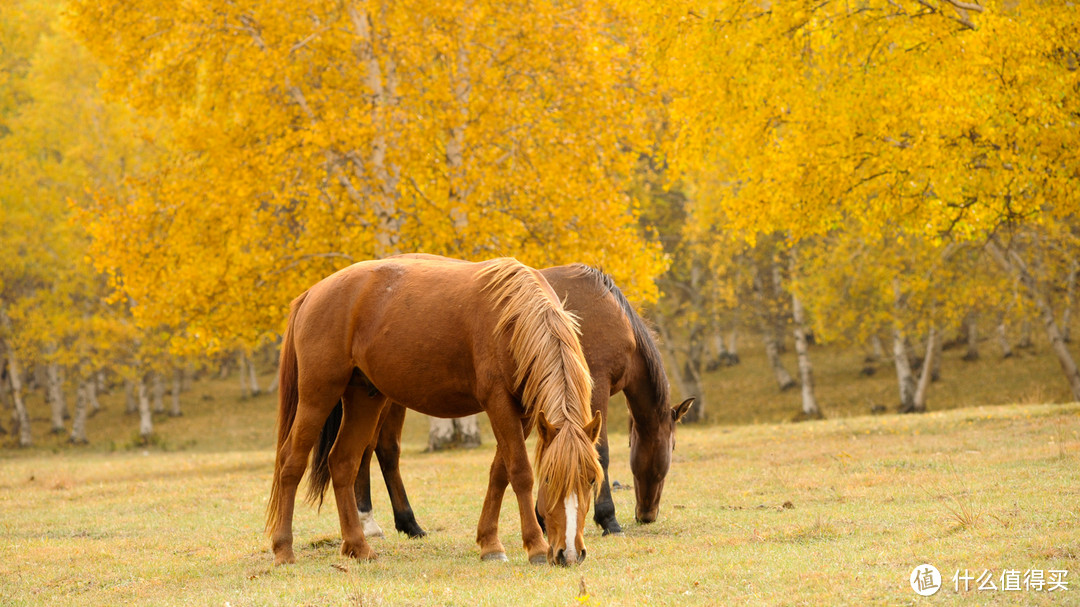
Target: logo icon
pixel 925 580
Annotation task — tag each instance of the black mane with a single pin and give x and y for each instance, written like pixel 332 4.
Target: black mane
pixel 646 343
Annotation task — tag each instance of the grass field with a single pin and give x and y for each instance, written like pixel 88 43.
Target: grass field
pixel 838 511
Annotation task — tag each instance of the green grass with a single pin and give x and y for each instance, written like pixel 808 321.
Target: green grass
pixel 837 511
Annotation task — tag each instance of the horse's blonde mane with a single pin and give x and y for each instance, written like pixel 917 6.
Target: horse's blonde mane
pixel 550 370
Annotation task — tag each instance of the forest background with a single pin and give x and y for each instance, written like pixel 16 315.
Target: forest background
pixel 886 177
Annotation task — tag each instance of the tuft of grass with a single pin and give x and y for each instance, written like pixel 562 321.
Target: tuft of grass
pixel 965 515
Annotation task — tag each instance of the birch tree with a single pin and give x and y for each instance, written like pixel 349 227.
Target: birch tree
pixel 307 136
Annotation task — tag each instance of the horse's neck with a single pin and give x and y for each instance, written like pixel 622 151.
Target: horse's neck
pixel 641 393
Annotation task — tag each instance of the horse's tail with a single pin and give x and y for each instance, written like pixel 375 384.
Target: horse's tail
pixel 319 468
pixel 288 401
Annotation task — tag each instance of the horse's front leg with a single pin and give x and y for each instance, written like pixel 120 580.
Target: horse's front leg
pixel 604 513
pixel 359 423
pixel 511 464
pixel 388 450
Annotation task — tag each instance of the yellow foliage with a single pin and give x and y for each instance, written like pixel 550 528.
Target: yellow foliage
pixel 311 135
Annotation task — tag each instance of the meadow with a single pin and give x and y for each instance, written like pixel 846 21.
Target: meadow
pixel 838 511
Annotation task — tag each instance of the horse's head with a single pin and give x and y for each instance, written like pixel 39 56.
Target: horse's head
pixel 568 470
pixel 650 457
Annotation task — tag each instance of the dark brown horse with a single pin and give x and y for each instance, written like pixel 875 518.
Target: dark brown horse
pixel 622 356
pixel 446 339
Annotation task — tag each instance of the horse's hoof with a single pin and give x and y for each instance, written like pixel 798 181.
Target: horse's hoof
pixel 371 528
pixel 283 560
pixel 360 552
pixel 611 528
pixel 618 533
pixel 495 556
pixel 538 559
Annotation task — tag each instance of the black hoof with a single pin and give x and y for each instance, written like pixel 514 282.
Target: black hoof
pixel 406 523
pixel 610 526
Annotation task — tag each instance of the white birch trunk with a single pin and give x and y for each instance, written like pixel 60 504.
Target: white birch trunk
pixel 158 388
pixel 877 347
pixel 131 401
pixel 902 361
pixel 83 395
pixel 1025 335
pixel 1070 300
pixel 469 429
pixel 926 374
pixel 440 433
pixel 768 335
pixel 1003 339
pixel 383 98
pixel 1011 262
pixel 971 328
pixel 450 433
pixel 802 350
pixel 177 387
pixel 5 390
pixel 253 377
pixel 904 375
pixel 719 353
pixel 22 417
pixel 96 381
pixel 935 369
pixel 146 421
pixel 54 390
pixel 772 350
pixel 272 388
pixel 241 362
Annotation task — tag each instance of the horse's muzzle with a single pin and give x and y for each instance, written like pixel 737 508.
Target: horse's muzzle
pixel 646 517
pixel 566 559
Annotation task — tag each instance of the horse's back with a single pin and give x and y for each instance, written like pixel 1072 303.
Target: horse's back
pixel 419 329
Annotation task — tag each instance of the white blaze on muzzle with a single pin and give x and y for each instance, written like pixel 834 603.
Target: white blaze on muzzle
pixel 571 528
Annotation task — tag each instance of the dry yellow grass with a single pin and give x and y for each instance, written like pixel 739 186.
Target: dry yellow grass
pixel 832 512
pixel 837 511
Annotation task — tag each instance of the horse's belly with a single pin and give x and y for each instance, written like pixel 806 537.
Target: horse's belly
pixel 451 408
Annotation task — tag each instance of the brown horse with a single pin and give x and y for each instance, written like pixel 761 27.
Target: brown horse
pixel 446 339
pixel 622 356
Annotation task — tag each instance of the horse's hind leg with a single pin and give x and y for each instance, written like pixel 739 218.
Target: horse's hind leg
pixel 311 414
pixel 362 489
pixel 388 450
pixel 358 426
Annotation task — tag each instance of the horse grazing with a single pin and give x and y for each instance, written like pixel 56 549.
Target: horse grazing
pixel 446 339
pixel 622 357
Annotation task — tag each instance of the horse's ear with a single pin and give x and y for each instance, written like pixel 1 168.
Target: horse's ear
pixel 545 429
pixel 678 412
pixel 592 429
